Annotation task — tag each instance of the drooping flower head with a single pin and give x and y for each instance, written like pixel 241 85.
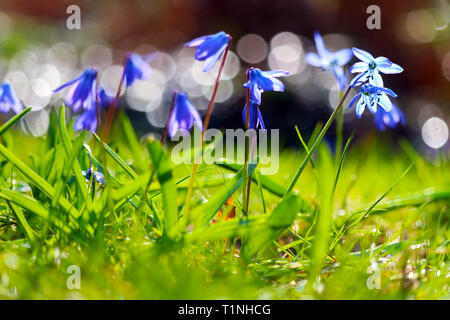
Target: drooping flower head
pixel 369 68
pixel 104 100
pixel 259 119
pixel 184 115
pixel 261 81
pixel 389 119
pixel 8 99
pixel 371 97
pixel 136 67
pixel 82 92
pixel 210 48
pixel 330 61
pixel 87 120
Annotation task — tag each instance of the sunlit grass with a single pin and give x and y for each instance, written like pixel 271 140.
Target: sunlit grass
pixel 128 249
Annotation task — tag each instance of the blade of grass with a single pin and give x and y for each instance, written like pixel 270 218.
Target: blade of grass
pixel 341 162
pixel 163 169
pixel 133 141
pixel 37 180
pixel 277 222
pixel 353 221
pixel 23 223
pixel 33 206
pixel 13 120
pixel 316 144
pixel 117 158
pixel 75 166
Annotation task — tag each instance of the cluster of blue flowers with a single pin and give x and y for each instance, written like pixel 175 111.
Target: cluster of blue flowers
pixel 85 95
pixel 372 93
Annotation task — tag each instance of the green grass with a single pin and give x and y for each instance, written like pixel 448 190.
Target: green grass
pixel 388 209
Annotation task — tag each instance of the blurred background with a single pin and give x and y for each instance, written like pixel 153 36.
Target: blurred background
pixel 38 53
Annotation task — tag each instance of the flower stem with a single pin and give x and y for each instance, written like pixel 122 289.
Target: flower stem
pixel 339 130
pixel 316 143
pixel 166 129
pixel 112 108
pixel 205 127
pixel 245 172
pixel 249 179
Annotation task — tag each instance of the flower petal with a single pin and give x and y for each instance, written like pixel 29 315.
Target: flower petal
pixel 277 85
pixel 356 97
pixel 321 49
pixel 196 42
pixel 340 77
pixel 360 106
pixel 343 56
pixel 359 67
pixel 385 102
pixel 376 79
pixel 313 59
pixel 382 61
pixel 359 79
pixel 275 73
pixel 211 61
pixel 362 55
pixel 393 68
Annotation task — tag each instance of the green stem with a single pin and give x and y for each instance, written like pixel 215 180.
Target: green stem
pixel 316 143
pixel 246 142
pixel 339 130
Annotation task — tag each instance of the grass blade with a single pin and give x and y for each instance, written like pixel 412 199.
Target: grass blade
pixel 163 169
pixel 277 222
pixel 117 158
pixel 13 121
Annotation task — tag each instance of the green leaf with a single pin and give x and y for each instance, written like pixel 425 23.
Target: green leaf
pixel 355 219
pixel 13 121
pixel 163 168
pixel 76 166
pixel 279 220
pixel 23 223
pixel 204 213
pixel 34 207
pixel 117 158
pixel 133 142
pixel 266 182
pixel 37 180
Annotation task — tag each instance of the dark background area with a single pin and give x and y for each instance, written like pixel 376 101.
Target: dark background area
pixel 414 34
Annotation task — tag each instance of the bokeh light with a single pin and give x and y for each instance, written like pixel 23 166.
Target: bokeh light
pixel 252 48
pixel 435 132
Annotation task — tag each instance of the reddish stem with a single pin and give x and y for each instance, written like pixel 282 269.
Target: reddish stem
pixel 113 106
pixel 205 127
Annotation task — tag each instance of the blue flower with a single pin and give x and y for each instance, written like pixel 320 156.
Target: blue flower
pixel 8 99
pixel 136 67
pixel 183 115
pixel 330 61
pixel 261 81
pixel 372 96
pixel 369 68
pixel 81 94
pixel 259 121
pixel 104 100
pixel 98 176
pixel 389 119
pixel 87 120
pixel 210 48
